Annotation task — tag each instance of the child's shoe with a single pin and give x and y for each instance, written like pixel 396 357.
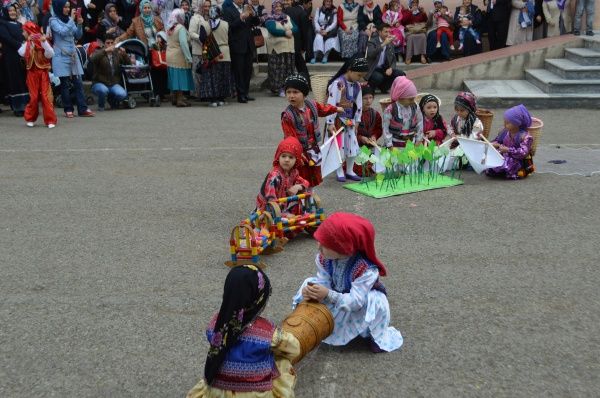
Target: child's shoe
pixel 478 41
pixel 324 61
pixel 213 104
pixel 30 124
pixel 313 61
pixel 221 103
pixel 353 177
pixel 451 47
pixel 51 126
pixel 438 45
pixel 460 47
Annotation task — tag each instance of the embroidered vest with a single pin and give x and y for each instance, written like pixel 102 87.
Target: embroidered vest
pixel 300 123
pixel 355 267
pixel 367 122
pixel 35 56
pixel 346 101
pixel 250 364
pixel 400 133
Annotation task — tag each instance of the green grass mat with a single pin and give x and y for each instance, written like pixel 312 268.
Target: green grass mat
pixel 401 189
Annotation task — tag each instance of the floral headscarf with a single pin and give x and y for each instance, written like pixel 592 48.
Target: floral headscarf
pixel 147 19
pixel 277 17
pixel 177 17
pixel 246 292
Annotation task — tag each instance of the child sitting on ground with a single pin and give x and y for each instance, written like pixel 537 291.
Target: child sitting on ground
pixel 284 178
pixel 514 143
pixel 247 354
pixel 301 120
pixel 370 127
pixel 402 119
pixel 434 125
pixel 347 282
pixel 345 91
pixel 465 122
pixel 37 53
pixel 443 19
pixel 466 21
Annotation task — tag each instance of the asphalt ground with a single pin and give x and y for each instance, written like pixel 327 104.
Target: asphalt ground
pixel 114 231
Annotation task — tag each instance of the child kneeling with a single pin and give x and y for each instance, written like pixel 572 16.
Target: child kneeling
pixel 347 282
pixel 514 143
pixel 247 354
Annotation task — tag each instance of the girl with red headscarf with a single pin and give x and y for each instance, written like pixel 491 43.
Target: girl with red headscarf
pixel 347 282
pixel 37 53
pixel 284 178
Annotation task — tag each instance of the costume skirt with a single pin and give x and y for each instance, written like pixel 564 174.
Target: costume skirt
pixel 348 43
pixel 180 79
pixel 216 81
pixel 280 67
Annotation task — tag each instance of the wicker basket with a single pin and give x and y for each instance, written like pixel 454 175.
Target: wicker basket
pixel 384 103
pixel 486 116
pixel 536 132
pixel 319 86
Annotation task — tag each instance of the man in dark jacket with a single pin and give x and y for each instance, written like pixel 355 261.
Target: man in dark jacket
pixel 106 63
pixel 298 16
pixel 241 20
pixel 498 18
pixel 382 60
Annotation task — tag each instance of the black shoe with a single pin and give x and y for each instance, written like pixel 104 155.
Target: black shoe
pixel 242 100
pixel 589 33
pixel 576 32
pixel 248 98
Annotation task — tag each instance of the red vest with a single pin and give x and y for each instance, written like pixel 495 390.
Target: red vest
pixel 34 57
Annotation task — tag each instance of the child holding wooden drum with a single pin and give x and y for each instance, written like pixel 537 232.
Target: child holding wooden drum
pixel 347 282
pixel 248 355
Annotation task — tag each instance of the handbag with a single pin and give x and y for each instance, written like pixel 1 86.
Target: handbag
pixel 259 39
pixel 158 59
pixel 211 53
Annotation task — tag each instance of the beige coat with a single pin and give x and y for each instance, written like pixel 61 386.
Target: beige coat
pixel 552 15
pixel 222 37
pixel 175 57
pixel 196 22
pixel 281 44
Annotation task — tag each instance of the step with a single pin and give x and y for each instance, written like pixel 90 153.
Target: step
pixel 583 56
pixel 507 93
pixel 568 69
pixel 593 42
pixel 551 83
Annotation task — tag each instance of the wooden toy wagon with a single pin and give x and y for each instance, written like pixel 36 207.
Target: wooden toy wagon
pixel 266 232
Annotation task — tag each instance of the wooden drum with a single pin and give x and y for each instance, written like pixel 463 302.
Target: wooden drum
pixel 311 322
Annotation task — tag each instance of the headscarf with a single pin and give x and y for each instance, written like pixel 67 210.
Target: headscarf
pixel 348 234
pixel 329 10
pixel 292 146
pixel 147 19
pixel 4 11
pixel 519 116
pixel 466 101
pixel 57 7
pixel 34 32
pixel 402 87
pixel 297 81
pixel 108 21
pixel 245 295
pixel 214 17
pixel 279 17
pixel 438 122
pixel 177 17
pixel 349 6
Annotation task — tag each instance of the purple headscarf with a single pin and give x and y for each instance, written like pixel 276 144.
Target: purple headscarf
pixel 519 116
pixel 281 17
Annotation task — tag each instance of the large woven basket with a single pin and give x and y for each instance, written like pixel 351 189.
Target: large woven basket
pixel 536 132
pixel 384 103
pixel 319 86
pixel 486 116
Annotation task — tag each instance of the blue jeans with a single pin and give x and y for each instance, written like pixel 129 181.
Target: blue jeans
pixel 115 94
pixel 589 14
pixel 66 84
pixel 464 31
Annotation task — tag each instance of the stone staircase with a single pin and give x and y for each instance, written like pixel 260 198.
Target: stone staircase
pixel 569 82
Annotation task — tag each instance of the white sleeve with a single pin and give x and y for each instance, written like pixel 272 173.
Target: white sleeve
pixel 333 97
pixel 316 21
pixel 387 136
pixel 21 49
pixel 357 297
pixel 359 105
pixel 477 129
pixel 48 50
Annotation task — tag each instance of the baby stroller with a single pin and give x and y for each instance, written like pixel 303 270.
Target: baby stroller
pixel 136 76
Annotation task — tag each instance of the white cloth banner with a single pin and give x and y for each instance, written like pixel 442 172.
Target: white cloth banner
pixel 481 154
pixel 331 157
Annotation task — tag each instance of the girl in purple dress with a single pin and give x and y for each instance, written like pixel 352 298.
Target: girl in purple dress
pixel 514 143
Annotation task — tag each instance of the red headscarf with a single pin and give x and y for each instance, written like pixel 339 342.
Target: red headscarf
pixel 347 234
pixel 34 32
pixel 289 145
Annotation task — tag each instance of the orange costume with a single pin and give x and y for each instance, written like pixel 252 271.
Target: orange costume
pixel 37 56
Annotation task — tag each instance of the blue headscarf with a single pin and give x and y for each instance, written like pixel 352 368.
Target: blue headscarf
pixel 147 19
pixel 57 7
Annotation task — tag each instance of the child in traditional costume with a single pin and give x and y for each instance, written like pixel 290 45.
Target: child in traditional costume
pixel 465 122
pixel 301 120
pixel 402 119
pixel 344 91
pixel 514 143
pixel 370 126
pixel 37 53
pixel 434 125
pixel 284 178
pixel 348 283
pixel 248 355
